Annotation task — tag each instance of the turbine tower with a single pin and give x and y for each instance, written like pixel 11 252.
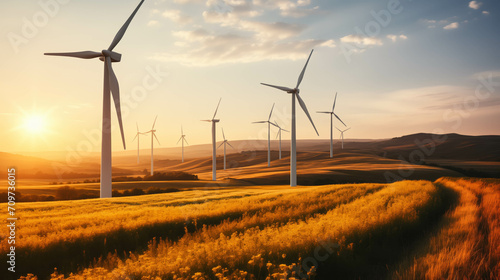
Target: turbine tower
pixel 214 148
pixel 153 135
pixel 111 87
pixel 342 135
pixel 293 147
pixel 138 136
pixel 269 123
pixel 332 113
pixel 279 136
pixel 225 142
pixel 182 139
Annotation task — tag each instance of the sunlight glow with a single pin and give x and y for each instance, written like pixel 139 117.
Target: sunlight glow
pixel 35 124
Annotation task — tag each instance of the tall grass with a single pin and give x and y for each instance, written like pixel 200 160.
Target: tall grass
pixel 69 235
pixel 466 245
pixel 263 245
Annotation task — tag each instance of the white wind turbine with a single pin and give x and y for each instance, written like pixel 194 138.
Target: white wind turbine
pixel 214 148
pixel 182 139
pixel 279 136
pixel 110 85
pixel 269 123
pixel 332 113
pixel 342 135
pixel 295 95
pixel 138 136
pixel 153 135
pixel 225 142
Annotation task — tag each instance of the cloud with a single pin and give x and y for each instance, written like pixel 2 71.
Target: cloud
pixel 207 49
pixel 361 41
pixel 453 25
pixel 288 8
pixel 475 5
pixel 229 32
pixel 394 38
pixel 177 16
pixel 153 23
pixel 486 12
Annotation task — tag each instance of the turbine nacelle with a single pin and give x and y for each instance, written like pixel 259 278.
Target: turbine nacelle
pixel 115 57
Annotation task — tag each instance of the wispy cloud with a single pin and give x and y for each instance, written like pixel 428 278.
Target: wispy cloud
pixel 394 38
pixel 231 31
pixel 177 16
pixel 475 5
pixel 453 25
pixel 361 41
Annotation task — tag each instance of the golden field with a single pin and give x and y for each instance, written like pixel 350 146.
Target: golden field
pixel 406 230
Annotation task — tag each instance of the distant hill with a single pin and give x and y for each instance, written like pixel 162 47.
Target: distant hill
pixel 447 146
pixel 461 154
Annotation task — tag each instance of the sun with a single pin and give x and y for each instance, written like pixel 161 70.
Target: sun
pixel 35 124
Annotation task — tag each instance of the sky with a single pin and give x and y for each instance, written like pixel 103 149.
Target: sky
pixel 399 67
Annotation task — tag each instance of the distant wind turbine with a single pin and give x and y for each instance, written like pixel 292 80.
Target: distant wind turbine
pixel 138 136
pixel 342 135
pixel 214 148
pixel 279 136
pixel 225 142
pixel 110 85
pixel 295 95
pixel 182 139
pixel 269 123
pixel 332 113
pixel 153 135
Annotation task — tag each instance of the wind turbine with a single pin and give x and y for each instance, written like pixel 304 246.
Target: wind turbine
pixel 110 85
pixel 138 136
pixel 269 123
pixel 279 136
pixel 225 142
pixel 295 95
pixel 332 113
pixel 182 139
pixel 153 134
pixel 214 149
pixel 342 135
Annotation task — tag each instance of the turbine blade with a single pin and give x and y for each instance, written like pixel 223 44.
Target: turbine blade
pixel 220 145
pixel 216 109
pixel 334 101
pixel 84 54
pixel 185 140
pixel 223 135
pixel 122 30
pixel 182 131
pixel 115 91
pixel 347 129
pixel 156 138
pixel 339 129
pixel 230 145
pixel 179 140
pixel 303 71
pixel 271 112
pixel 261 122
pixel 339 119
pixel 304 107
pixel 206 121
pixel 278 134
pixel 137 127
pixel 278 87
pixel 153 127
pixel 285 130
pixel 322 112
pixel 273 124
pixel 137 135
